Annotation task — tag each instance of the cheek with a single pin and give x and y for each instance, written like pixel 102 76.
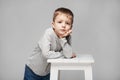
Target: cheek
pixel 68 28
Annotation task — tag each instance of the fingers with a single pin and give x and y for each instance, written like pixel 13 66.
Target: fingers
pixel 73 55
pixel 68 32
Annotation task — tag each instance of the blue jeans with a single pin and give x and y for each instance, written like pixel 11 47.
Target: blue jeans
pixel 30 75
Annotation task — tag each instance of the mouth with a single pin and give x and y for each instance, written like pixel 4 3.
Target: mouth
pixel 63 30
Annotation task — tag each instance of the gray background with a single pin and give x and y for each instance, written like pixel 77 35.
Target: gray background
pixel 96 31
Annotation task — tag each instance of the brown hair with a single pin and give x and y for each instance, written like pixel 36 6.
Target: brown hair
pixel 64 11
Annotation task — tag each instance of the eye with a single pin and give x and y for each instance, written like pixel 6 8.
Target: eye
pixel 67 23
pixel 59 21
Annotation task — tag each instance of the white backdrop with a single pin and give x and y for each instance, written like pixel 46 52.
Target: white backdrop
pixel 96 31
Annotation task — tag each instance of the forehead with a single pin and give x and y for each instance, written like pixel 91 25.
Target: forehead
pixel 65 16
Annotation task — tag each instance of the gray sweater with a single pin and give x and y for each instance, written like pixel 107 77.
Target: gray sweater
pixel 49 47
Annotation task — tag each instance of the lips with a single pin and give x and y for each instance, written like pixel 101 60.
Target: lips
pixel 63 30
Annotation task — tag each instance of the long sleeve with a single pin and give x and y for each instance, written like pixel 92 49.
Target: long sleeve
pixel 48 46
pixel 67 49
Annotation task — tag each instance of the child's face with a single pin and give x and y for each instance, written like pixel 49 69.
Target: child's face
pixel 62 24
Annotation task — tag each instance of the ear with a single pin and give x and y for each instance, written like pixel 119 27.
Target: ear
pixel 53 25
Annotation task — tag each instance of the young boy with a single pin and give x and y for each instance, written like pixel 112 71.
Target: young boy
pixel 55 43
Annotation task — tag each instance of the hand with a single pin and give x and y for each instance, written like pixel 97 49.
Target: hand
pixel 66 33
pixel 73 55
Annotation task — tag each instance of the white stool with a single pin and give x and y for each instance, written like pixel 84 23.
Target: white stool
pixel 81 62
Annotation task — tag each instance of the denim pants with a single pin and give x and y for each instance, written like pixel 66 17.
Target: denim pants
pixel 30 75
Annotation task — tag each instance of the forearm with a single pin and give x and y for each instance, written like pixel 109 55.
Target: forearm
pixel 52 54
pixel 48 53
pixel 67 48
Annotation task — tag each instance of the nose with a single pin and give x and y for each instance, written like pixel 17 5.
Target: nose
pixel 63 25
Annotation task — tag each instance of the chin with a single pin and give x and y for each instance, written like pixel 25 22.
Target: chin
pixel 62 33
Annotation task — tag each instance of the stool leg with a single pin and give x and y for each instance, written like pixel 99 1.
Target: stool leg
pixel 54 73
pixel 88 73
pixel 59 75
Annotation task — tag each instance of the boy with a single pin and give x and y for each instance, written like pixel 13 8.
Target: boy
pixel 55 43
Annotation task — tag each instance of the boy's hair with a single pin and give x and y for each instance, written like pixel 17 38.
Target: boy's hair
pixel 64 11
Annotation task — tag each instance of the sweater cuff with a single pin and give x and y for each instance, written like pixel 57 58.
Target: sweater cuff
pixel 63 41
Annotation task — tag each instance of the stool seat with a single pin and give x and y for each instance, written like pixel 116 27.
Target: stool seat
pixel 81 62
